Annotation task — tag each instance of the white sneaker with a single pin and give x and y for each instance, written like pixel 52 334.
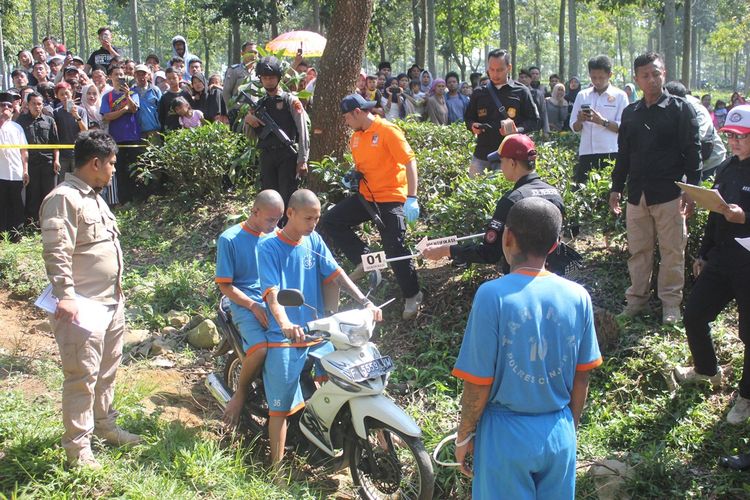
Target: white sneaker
pixel 671 315
pixel 740 411
pixel 411 306
pixel 85 459
pixel 118 436
pixel 688 375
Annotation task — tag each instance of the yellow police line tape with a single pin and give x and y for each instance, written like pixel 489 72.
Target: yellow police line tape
pixel 59 146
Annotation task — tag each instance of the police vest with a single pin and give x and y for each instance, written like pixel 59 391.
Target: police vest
pixel 279 107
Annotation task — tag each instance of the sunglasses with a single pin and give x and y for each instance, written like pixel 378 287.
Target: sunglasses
pixel 732 135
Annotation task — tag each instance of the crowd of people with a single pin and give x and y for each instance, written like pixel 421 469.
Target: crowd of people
pixel 529 343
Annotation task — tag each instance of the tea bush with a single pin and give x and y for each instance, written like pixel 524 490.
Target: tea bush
pixel 194 161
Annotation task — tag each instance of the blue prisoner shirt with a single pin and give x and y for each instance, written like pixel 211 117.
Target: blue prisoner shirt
pixel 526 336
pixel 305 265
pixel 237 259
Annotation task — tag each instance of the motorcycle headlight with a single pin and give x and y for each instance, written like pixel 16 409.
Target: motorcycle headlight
pixel 358 335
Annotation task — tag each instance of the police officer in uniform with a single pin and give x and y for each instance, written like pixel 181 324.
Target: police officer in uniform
pixel 237 75
pixel 280 166
pixel 722 269
pixel 516 154
pixel 500 108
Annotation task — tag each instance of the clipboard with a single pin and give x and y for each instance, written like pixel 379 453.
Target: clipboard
pixel 710 199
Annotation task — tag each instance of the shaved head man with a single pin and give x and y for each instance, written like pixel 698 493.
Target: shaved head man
pixel 238 279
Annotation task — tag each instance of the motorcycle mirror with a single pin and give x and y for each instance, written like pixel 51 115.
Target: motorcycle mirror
pixel 290 297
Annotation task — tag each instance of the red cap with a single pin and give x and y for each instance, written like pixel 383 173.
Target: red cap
pixel 517 147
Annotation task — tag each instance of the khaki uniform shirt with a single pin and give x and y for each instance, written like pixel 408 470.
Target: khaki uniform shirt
pixel 80 241
pixel 233 79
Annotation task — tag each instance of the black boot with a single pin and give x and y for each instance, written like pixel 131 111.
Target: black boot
pixel 736 462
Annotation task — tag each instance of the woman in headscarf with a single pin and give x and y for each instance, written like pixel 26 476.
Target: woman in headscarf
pixel 631 93
pixel 736 100
pixel 208 101
pixel 425 81
pixel 557 108
pixel 574 86
pixel 91 101
pixel 435 108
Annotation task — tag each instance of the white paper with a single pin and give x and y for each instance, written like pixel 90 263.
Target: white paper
pixel 425 243
pixel 372 261
pixel 92 316
pixel 745 242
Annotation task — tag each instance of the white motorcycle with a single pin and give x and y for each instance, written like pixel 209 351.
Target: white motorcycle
pixel 381 443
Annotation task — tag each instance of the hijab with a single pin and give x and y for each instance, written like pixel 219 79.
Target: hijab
pixel 425 88
pixel 561 101
pixel 92 110
pixel 633 95
pixel 572 94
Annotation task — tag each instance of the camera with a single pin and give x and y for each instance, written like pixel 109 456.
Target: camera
pixel 351 180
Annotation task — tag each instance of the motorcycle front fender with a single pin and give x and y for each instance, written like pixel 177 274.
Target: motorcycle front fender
pixel 383 409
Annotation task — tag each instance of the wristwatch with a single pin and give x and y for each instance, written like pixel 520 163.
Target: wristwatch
pixel 605 123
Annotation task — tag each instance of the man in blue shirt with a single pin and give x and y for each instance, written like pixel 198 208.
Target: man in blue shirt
pixel 148 97
pixel 297 258
pixel 238 279
pixel 525 361
pixel 455 100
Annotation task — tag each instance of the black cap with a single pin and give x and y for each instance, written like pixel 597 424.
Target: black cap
pixel 6 97
pixel 354 101
pixel 69 69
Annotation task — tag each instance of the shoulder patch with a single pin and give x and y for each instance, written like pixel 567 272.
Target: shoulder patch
pixel 493 232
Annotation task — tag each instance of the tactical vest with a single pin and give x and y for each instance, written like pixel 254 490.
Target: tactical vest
pixel 279 108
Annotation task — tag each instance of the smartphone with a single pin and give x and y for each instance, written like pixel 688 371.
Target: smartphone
pixel 586 108
pixel 69 106
pixel 485 126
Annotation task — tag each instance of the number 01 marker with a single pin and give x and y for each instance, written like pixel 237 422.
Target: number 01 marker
pixel 372 261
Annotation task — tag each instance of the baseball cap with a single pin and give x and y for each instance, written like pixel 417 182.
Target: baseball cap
pixel 6 97
pixel 142 67
pixel 160 74
pixel 738 120
pixel 79 59
pixel 354 101
pixel 70 69
pixel 516 146
pixel 57 59
pixel 14 95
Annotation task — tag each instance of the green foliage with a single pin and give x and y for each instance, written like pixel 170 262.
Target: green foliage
pixel 21 267
pixel 195 160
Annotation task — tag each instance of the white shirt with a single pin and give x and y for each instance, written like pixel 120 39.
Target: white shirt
pixel 596 139
pixel 11 166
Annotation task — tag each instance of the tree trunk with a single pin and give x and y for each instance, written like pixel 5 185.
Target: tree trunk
pixel 513 36
pixel 274 20
pixel 561 42
pixel 418 25
pixel 573 39
pixel 34 27
pixel 687 29
pixel 85 31
pixel 619 44
pixel 736 70
pixel 747 66
pixel 62 21
pixel 431 26
pixel 81 23
pixel 694 59
pixel 135 46
pixel 504 24
pixel 316 15
pixel 236 42
pixel 339 68
pixel 668 37
pixel 230 47
pixel 206 44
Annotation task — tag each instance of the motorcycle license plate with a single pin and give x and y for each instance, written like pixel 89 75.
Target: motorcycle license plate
pixel 374 368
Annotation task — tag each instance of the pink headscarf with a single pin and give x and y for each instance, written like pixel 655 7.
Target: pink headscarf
pixel 434 85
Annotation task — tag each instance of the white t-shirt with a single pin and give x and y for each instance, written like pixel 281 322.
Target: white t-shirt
pixel 11 166
pixel 596 139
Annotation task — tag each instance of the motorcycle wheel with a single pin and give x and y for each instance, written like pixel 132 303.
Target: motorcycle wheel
pixel 255 415
pixel 403 467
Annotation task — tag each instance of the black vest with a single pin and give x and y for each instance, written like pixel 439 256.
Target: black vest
pixel 278 107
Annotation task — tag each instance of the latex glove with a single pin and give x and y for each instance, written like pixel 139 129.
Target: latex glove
pixel 411 209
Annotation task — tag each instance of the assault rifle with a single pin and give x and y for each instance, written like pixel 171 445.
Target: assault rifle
pixel 270 127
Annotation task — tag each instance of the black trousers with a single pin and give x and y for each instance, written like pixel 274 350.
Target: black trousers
pixel 338 225
pixel 125 169
pixel 720 281
pixel 278 171
pixel 11 208
pixel 42 180
pixel 587 163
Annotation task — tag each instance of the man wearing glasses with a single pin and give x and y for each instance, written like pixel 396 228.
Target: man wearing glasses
pixel 722 271
pixel 658 144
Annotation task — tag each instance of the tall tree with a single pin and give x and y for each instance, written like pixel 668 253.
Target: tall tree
pixel 561 42
pixel 339 67
pixel 34 27
pixel 573 38
pixel 418 25
pixel 504 24
pixel 431 27
pixel 687 30
pixel 513 35
pixel 668 38
pixel 134 43
pixel 82 49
